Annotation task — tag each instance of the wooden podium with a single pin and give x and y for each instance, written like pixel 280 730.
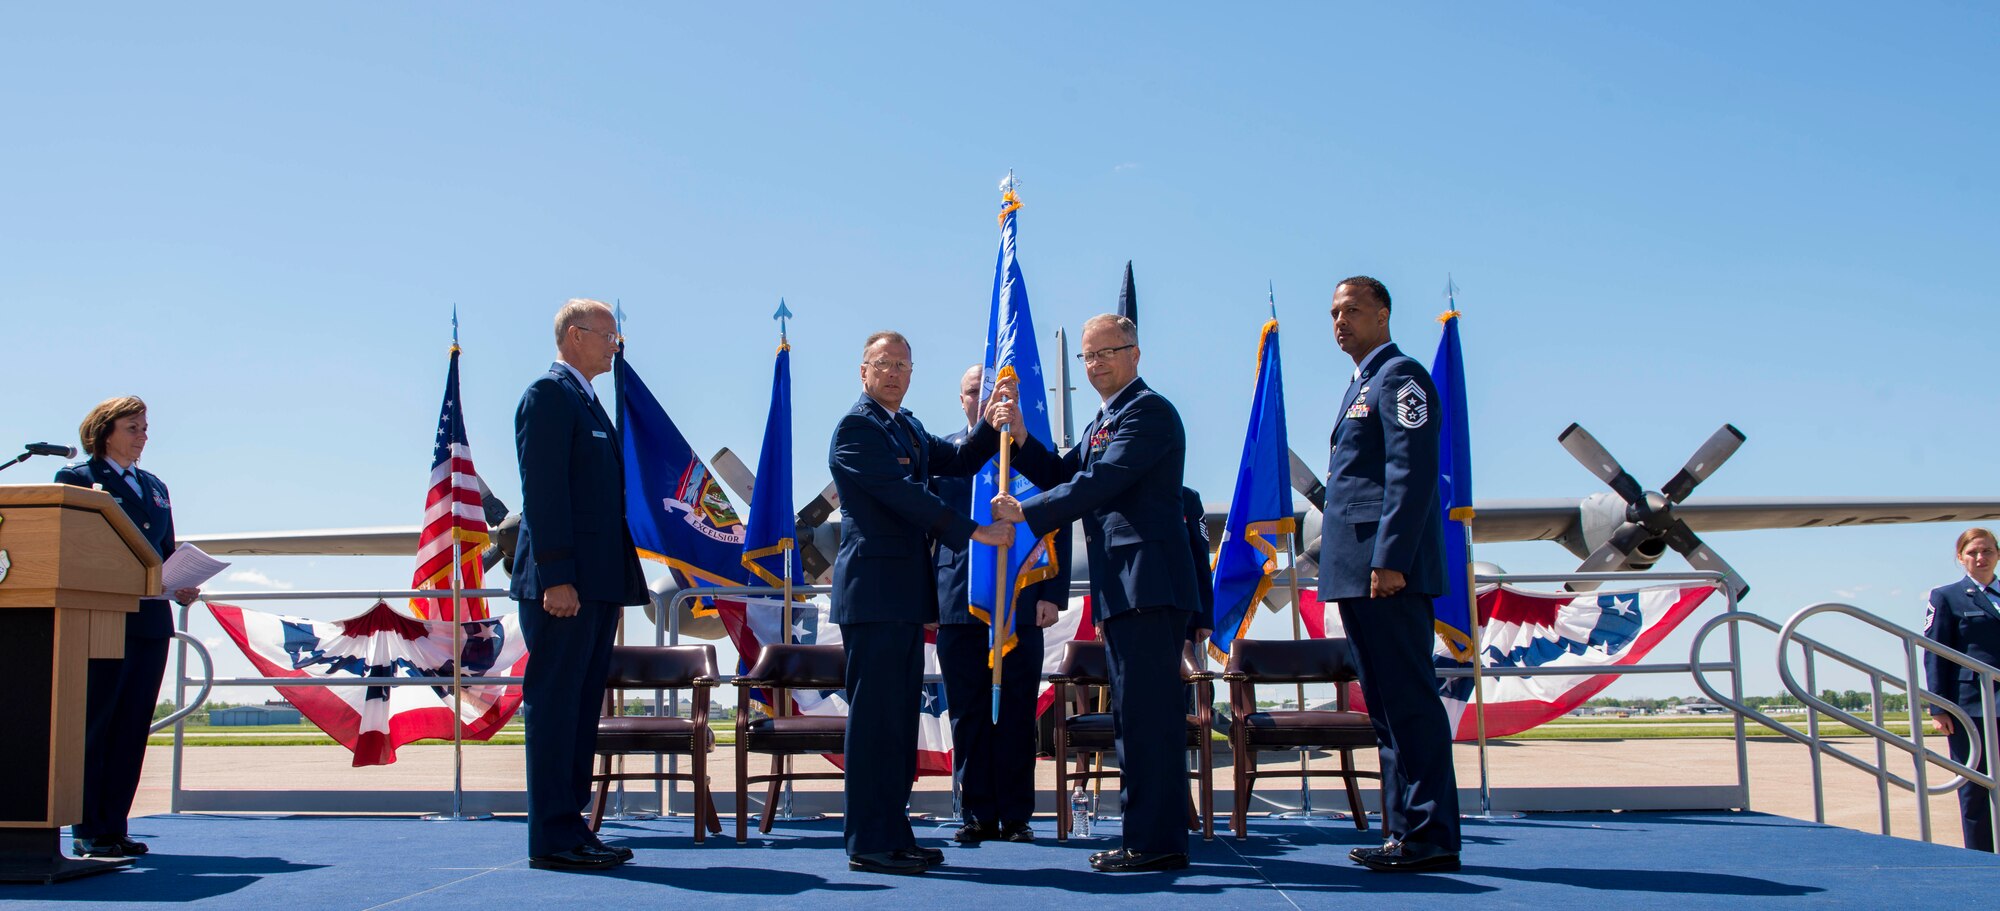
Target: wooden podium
pixel 71 567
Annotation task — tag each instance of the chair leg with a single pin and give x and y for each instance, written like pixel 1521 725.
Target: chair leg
pixel 603 790
pixel 1062 781
pixel 1205 763
pixel 742 790
pixel 708 802
pixel 1246 777
pixel 1353 790
pixel 781 767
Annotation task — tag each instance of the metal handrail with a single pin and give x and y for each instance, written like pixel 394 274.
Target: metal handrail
pixel 1913 643
pixel 208 679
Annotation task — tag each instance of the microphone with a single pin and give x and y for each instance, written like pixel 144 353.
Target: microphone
pixel 51 449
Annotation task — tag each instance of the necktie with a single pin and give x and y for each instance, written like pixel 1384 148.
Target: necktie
pixel 132 480
pixel 909 438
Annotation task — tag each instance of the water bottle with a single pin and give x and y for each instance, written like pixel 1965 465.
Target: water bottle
pixel 1079 812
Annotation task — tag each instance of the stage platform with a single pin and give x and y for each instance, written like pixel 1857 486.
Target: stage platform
pixel 1609 860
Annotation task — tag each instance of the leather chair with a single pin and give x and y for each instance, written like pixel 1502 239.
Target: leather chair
pixel 1251 731
pixel 674 667
pixel 779 670
pixel 1087 664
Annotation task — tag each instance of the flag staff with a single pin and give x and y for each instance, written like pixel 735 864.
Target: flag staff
pixel 785 313
pixel 1464 515
pixel 1002 612
pixel 457 813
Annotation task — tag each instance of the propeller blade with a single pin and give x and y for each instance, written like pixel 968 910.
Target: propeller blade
pixel 1705 460
pixel 1307 482
pixel 816 512
pixel 1598 460
pixel 490 557
pixel 1699 556
pixel 494 507
pixel 1614 555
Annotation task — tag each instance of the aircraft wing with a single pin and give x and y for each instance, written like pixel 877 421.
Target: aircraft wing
pixel 393 541
pixel 1744 513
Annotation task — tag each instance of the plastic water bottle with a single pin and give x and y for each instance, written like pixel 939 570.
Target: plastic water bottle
pixel 1079 812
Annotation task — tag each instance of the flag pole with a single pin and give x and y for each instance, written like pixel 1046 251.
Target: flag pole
pixel 1478 679
pixel 1001 613
pixel 457 813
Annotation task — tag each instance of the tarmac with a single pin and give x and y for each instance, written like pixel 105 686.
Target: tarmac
pixel 1780 774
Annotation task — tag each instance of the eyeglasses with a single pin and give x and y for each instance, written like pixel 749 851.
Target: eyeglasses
pixel 1101 354
pixel 610 336
pixel 888 366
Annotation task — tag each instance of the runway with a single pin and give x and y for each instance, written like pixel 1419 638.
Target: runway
pixel 1621 860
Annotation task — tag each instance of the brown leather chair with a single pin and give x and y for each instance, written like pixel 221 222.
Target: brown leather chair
pixel 672 667
pixel 779 670
pixel 1086 664
pixel 1252 731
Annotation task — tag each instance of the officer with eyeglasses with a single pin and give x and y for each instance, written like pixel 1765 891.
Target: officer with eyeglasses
pixel 885 593
pixel 1124 482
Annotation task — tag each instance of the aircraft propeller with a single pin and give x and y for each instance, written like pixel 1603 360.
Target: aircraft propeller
pixel 1650 526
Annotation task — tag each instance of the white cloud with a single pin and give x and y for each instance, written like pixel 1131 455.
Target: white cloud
pixel 256 578
pixel 1125 166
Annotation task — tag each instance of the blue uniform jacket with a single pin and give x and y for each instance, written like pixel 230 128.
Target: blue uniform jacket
pixel 1124 482
pixel 954 602
pixel 889 517
pixel 572 497
pixel 152 511
pixel 1382 509
pixel 1962 618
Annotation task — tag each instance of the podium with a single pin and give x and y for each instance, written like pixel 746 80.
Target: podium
pixel 71 567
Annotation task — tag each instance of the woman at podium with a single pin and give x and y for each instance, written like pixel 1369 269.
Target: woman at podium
pixel 123 691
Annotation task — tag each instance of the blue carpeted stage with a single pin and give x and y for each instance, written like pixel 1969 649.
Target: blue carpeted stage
pixel 1620 861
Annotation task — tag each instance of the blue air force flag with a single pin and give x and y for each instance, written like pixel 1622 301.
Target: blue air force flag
pixel 773 527
pixel 1453 608
pixel 1010 348
pixel 1261 507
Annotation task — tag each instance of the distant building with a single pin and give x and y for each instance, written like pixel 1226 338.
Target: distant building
pixel 250 715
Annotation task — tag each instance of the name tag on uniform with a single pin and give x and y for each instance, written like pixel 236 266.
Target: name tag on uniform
pixel 902 461
pixel 599 434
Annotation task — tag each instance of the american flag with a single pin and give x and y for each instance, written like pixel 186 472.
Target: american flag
pixel 452 512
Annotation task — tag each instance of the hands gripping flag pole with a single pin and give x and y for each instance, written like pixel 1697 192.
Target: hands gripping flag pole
pixel 999 573
pixel 770 539
pixel 1260 509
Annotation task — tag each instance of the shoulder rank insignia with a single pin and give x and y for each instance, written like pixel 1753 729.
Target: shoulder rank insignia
pixel 1412 407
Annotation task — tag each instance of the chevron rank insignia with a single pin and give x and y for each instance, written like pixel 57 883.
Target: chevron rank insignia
pixel 1412 408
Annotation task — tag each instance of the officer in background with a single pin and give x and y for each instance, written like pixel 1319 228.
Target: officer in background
pixel 885 593
pixel 1124 482
pixel 574 573
pixel 1965 615
pixel 1382 560
pixel 993 764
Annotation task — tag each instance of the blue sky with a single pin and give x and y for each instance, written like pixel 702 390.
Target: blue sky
pixel 1662 218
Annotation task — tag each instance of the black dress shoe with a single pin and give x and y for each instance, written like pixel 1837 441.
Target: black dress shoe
pixel 118 846
pixel 900 863
pixel 582 858
pixel 974 832
pixel 1017 832
pixel 1361 854
pixel 1123 861
pixel 1412 858
pixel 623 853
pixel 932 856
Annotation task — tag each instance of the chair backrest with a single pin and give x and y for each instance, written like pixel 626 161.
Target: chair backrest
pixel 666 667
pixel 1293 661
pixel 802 667
pixel 1088 662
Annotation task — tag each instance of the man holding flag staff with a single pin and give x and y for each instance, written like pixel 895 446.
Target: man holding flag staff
pixel 993 761
pixel 1382 560
pixel 885 592
pixel 1124 482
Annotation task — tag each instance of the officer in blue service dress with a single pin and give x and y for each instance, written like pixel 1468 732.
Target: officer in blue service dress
pixel 122 691
pixel 1382 560
pixel 1965 615
pixel 574 572
pixel 885 594
pixel 994 765
pixel 1124 482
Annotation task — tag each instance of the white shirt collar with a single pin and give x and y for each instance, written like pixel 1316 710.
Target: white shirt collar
pixel 580 380
pixel 1114 396
pixel 1370 357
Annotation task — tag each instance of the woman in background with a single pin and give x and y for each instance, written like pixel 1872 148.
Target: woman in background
pixel 122 691
pixel 1965 615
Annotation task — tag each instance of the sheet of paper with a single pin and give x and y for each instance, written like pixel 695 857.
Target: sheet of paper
pixel 189 567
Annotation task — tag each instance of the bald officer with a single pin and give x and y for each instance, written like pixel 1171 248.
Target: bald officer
pixel 1382 560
